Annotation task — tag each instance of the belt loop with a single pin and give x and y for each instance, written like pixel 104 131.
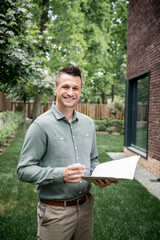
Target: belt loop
pixel 64 204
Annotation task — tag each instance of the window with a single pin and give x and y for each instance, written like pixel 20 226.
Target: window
pixel 136 114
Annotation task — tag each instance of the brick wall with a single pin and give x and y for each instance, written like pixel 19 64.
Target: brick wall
pixel 143 53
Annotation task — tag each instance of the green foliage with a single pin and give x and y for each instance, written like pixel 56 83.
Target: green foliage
pixel 100 127
pixel 111 129
pixel 106 34
pixel 15 51
pixel 39 39
pixel 110 125
pixel 119 103
pixel 10 123
pixel 22 74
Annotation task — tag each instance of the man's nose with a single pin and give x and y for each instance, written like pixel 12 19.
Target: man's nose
pixel 70 91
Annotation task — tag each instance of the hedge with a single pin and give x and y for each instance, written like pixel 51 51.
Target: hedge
pixel 110 125
pixel 10 122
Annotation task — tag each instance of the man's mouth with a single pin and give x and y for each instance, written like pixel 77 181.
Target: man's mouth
pixel 69 99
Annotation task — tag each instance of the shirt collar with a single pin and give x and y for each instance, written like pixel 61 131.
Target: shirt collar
pixel 59 115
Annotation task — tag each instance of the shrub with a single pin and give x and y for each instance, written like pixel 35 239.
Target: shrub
pixel 11 121
pixel 118 124
pixel 100 127
pixel 110 125
pixel 111 129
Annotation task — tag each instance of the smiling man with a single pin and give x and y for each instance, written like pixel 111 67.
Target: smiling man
pixel 68 91
pixel 58 147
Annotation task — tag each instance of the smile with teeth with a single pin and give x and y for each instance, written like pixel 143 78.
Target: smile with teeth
pixel 69 99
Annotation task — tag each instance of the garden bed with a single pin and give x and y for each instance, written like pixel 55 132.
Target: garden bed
pixel 10 122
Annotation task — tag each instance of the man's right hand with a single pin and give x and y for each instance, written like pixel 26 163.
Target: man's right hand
pixel 73 173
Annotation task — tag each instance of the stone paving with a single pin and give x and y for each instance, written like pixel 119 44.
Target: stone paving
pixel 146 178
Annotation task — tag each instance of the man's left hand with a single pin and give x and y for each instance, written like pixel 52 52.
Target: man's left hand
pixel 104 183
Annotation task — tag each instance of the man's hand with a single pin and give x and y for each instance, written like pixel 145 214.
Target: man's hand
pixel 104 183
pixel 73 173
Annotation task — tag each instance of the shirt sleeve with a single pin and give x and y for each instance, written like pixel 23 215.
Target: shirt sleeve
pixel 29 169
pixel 94 151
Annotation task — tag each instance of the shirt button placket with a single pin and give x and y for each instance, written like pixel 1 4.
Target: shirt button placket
pixel 76 155
pixel 75 145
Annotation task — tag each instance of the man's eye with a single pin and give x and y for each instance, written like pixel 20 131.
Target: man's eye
pixel 76 88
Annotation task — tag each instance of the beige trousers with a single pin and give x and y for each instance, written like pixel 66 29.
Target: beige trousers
pixel 65 223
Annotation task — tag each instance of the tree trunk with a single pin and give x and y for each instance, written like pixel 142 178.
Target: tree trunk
pixel 44 20
pixel 37 107
pixel 103 97
pixel 44 16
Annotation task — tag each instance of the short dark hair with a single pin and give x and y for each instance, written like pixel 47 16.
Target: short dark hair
pixel 71 70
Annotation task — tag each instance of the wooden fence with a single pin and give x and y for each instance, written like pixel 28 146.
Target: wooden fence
pixel 95 111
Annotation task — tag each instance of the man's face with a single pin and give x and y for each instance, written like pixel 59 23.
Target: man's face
pixel 68 91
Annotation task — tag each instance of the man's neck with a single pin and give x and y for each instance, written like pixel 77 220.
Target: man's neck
pixel 67 112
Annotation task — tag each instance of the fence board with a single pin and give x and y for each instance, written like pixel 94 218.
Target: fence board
pixel 95 111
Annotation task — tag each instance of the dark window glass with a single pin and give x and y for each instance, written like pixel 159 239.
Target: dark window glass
pixel 141 113
pixel 136 116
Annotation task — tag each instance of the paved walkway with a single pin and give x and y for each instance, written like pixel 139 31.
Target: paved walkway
pixel 146 178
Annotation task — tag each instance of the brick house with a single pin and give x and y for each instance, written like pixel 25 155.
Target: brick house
pixel 142 115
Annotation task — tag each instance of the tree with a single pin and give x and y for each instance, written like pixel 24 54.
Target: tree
pixel 21 72
pixel 37 37
pixel 119 45
pixel 44 5
pixel 105 33
pixel 15 52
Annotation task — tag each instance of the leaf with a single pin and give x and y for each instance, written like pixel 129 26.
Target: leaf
pixel 20 9
pixel 3 23
pixel 2 41
pixel 10 33
pixel 2 15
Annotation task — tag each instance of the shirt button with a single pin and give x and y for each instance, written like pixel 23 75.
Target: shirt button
pixel 77 158
pixel 80 192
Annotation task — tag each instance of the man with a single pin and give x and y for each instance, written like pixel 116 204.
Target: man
pixel 58 147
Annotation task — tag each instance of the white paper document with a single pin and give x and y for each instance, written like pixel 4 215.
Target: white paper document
pixel 116 169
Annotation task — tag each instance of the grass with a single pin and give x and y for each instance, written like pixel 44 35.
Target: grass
pixel 17 201
pixel 110 143
pixel 121 212
pixel 126 211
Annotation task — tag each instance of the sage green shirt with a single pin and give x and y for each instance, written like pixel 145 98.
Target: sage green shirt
pixel 51 144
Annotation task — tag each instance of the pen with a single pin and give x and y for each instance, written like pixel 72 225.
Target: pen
pixel 89 169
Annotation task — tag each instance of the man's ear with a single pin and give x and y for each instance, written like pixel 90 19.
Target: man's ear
pixel 55 89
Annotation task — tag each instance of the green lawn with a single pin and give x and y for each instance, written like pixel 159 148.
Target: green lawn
pixel 121 212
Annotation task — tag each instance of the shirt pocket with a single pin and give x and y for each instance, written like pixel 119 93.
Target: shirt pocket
pixel 62 147
pixel 87 143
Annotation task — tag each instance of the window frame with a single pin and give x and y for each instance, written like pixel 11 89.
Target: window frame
pixel 131 114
